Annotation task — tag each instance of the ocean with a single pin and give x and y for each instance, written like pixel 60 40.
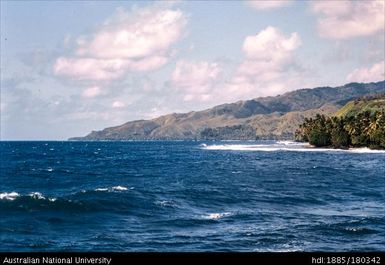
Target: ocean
pixel 190 196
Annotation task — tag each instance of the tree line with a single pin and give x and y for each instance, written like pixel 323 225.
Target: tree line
pixel 365 129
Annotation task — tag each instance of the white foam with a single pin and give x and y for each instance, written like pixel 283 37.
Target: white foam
pixel 9 196
pixel 101 189
pixel 120 188
pixel 165 203
pixel 215 216
pixel 239 147
pixel 13 195
pixel 366 150
pixel 294 148
pixel 36 195
pixel 115 188
pixel 290 143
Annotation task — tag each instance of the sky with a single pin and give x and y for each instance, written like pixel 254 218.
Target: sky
pixel 70 67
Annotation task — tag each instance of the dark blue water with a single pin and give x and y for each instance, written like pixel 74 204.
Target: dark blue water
pixel 179 196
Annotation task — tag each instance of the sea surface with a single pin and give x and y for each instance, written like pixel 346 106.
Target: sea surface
pixel 190 196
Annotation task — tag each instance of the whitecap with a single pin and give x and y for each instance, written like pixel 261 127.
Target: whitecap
pixel 52 199
pixel 239 147
pixel 9 196
pixel 101 189
pixel 215 216
pixel 164 203
pixel 115 188
pixel 366 150
pixel 294 148
pixel 120 188
pixel 290 143
pixel 36 195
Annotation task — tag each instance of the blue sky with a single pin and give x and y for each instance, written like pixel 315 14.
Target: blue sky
pixel 69 67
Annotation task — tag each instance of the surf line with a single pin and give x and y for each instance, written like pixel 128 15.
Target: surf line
pixel 56 260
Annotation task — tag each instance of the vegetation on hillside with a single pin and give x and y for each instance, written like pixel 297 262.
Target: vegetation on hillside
pixel 358 124
pixel 369 103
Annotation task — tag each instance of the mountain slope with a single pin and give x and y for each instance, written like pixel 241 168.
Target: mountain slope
pixel 266 118
pixel 354 107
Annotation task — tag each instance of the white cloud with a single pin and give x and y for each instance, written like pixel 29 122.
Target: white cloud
pixel 147 63
pixel 90 68
pixel 118 104
pixel 334 8
pixel 144 33
pixel 128 42
pixel 267 54
pixel 372 74
pixel 269 68
pixel 104 69
pixel 266 69
pixel 195 79
pixel 348 19
pixel 267 5
pixel 270 45
pixel 92 92
pixel 194 74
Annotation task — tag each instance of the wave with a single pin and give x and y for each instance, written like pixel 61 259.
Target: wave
pixel 9 196
pixel 100 189
pixel 112 189
pixel 216 216
pixel 288 148
pixel 83 200
pixel 366 150
pixel 165 203
pixel 36 195
pixel 290 143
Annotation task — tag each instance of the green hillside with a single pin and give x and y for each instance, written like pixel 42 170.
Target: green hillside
pixel 352 108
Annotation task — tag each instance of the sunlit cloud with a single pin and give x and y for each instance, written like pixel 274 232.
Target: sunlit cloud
pixel 136 41
pixel 195 79
pixel 348 19
pixel 374 73
pixel 267 5
pixel 92 92
pixel 267 55
pixel 118 104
